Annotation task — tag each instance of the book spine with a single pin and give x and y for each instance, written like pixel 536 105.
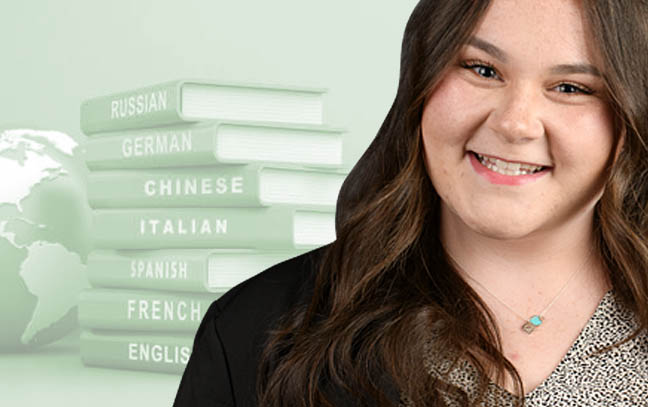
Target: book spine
pixel 230 185
pixel 173 146
pixel 156 228
pixel 149 106
pixel 176 270
pixel 141 310
pixel 154 353
pixel 211 270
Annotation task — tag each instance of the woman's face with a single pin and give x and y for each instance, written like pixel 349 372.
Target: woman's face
pixel 518 133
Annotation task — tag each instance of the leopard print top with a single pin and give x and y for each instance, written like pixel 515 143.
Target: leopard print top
pixel 615 378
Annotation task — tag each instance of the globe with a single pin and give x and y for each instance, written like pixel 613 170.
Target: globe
pixel 44 237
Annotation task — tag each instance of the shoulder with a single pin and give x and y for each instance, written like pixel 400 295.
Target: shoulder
pixel 228 344
pixel 270 292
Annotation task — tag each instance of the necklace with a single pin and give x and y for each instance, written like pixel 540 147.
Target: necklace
pixel 530 324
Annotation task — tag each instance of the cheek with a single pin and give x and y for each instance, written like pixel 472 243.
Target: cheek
pixel 589 140
pixel 600 127
pixel 448 111
pixel 447 123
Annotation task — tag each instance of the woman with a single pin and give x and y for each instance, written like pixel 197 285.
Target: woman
pixel 491 241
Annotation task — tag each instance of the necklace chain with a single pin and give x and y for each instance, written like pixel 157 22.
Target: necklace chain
pixel 535 321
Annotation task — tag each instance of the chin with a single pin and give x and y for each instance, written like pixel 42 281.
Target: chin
pixel 497 224
pixel 497 229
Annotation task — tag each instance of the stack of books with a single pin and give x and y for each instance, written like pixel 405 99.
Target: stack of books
pixel 196 186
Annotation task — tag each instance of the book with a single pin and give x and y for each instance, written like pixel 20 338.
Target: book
pixel 227 185
pixel 155 352
pixel 140 310
pixel 210 143
pixel 273 227
pixel 215 270
pixel 197 100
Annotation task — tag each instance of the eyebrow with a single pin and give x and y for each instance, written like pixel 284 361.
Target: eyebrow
pixel 562 69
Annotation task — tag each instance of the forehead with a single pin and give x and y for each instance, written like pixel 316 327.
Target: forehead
pixel 538 30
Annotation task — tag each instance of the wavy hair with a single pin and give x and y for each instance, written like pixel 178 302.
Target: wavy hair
pixel 386 282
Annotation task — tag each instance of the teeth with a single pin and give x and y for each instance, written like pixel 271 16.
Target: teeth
pixel 507 168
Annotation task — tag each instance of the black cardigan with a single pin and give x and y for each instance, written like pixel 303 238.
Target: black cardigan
pixel 223 365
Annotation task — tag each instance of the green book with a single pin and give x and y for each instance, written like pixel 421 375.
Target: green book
pixel 140 310
pixel 210 143
pixel 154 352
pixel 227 185
pixel 274 227
pixel 215 270
pixel 196 100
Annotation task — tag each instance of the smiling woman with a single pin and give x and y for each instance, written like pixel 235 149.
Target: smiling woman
pixel 491 242
pixel 523 91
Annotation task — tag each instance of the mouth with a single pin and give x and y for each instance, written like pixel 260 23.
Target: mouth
pixel 510 168
pixel 502 172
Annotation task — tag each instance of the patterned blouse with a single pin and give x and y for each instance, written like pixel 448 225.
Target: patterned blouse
pixel 616 378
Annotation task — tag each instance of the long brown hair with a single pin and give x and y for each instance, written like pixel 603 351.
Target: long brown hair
pixel 386 282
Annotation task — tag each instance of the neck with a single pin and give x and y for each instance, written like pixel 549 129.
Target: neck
pixel 543 261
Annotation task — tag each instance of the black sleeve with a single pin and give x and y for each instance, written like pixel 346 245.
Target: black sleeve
pixel 206 379
pixel 222 368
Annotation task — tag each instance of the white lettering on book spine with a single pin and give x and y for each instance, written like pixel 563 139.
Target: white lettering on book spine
pixel 157 144
pixel 163 310
pixel 151 352
pixel 137 105
pixel 159 269
pixel 193 226
pixel 193 186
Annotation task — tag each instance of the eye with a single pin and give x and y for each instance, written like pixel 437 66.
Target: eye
pixel 570 88
pixel 481 68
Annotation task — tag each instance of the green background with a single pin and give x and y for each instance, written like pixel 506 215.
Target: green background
pixel 58 53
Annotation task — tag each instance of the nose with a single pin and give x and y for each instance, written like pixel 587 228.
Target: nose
pixel 516 116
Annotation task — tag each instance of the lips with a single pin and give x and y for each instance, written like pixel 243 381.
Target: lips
pixel 508 167
pixel 498 171
pixel 493 158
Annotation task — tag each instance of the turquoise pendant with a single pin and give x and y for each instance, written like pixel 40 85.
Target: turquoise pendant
pixel 533 322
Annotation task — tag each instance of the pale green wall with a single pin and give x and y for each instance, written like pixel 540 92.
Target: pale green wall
pixel 56 53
